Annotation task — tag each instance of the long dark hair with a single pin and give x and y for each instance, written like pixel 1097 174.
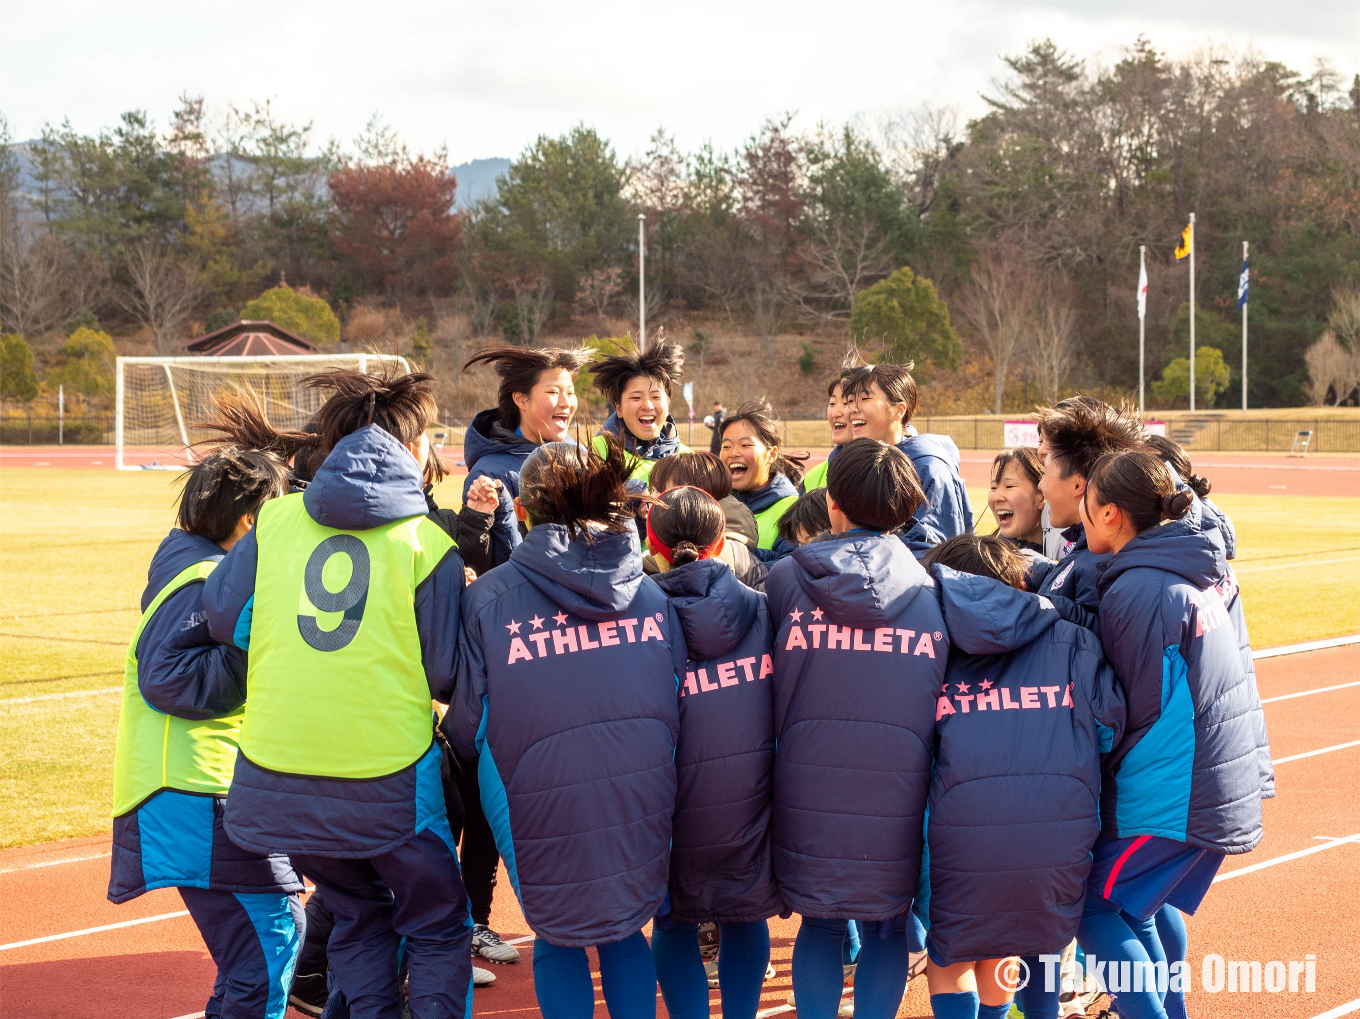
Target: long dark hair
pixel 572 485
pixel 687 520
pixel 399 402
pixel 1139 482
pixel 519 369
pixel 984 555
pixel 701 469
pixel 1173 453
pixel 760 416
pixel 240 470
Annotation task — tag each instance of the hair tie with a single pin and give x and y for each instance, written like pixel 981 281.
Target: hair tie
pixel 667 553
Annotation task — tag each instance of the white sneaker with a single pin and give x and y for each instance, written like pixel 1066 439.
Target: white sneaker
pixel 482 977
pixel 488 944
pixel 847 1008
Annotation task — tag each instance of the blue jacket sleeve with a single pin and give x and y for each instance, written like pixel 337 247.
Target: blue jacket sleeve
pixel 181 670
pixel 438 604
pixel 229 594
pixel 945 507
pixel 463 720
pixel 504 528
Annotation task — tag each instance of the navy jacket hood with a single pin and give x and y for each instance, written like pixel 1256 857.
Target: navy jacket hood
pixel 488 435
pixel 986 617
pixel 595 580
pixel 761 499
pixel 859 578
pixel 177 551
pixel 716 609
pixel 1191 548
pixel 369 479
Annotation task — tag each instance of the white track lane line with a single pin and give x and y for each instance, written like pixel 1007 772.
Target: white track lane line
pixel 57 696
pixel 54 863
pixel 1308 645
pixel 1340 1010
pixel 1306 693
pixel 92 930
pixel 1347 840
pixel 1314 753
pixel 192 1015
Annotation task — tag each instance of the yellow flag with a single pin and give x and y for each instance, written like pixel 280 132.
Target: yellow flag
pixel 1187 241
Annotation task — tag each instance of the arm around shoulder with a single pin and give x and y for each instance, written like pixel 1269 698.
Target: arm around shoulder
pixel 229 594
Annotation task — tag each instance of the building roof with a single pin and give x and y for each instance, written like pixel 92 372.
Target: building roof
pixel 251 339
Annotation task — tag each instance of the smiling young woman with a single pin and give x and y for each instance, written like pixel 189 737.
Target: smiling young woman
pixel 639 386
pixel 762 477
pixel 1014 498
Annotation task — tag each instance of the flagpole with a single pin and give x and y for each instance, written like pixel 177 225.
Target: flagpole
pixel 1244 332
pixel 1142 270
pixel 1192 313
pixel 642 283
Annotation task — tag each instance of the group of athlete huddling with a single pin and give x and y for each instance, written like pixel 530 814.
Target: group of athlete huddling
pixel 690 689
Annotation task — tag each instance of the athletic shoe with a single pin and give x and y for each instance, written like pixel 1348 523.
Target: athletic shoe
pixel 708 941
pixel 482 977
pixel 488 944
pixel 769 972
pixel 711 971
pixel 308 993
pixel 916 964
pixel 847 1009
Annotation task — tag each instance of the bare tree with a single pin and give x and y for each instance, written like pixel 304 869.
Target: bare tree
pixel 600 287
pixel 1054 340
pixel 919 145
pixel 533 301
pixel 1333 371
pixel 1345 317
pixel 33 296
pixel 998 304
pixel 161 291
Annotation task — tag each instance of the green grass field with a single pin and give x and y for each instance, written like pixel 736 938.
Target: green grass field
pixel 75 545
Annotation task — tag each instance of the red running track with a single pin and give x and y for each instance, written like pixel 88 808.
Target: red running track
pixel 1293 907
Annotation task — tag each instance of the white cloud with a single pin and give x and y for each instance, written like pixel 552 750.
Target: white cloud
pixel 486 78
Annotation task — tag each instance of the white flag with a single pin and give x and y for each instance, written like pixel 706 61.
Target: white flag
pixel 1142 291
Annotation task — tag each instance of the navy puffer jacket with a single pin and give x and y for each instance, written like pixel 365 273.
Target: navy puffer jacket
pixel 493 450
pixel 1028 707
pixel 720 852
pixel 859 658
pixel 1071 583
pixel 568 695
pixel 1188 767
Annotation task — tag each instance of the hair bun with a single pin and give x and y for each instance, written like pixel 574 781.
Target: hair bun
pixel 685 552
pixel 1200 486
pixel 1177 504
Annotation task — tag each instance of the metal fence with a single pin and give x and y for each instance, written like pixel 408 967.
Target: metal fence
pixel 46 430
pixel 1202 433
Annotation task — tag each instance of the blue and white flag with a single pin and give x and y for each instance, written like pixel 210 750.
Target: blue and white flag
pixel 1242 283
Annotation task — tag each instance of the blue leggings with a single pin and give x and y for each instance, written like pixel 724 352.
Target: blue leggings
pixel 1034 999
pixel 880 979
pixel 563 986
pixel 1171 932
pixel 743 954
pixel 1115 937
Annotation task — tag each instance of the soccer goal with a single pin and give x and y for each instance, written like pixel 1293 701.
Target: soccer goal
pixel 160 401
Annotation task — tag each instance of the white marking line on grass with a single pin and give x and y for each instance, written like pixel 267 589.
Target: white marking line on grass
pixel 1295 565
pixel 1340 1010
pixel 53 863
pixel 1308 645
pixel 1347 840
pixel 1314 753
pixel 1305 693
pixel 92 930
pixel 54 696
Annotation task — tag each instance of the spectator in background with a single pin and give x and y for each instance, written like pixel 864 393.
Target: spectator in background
pixel 715 421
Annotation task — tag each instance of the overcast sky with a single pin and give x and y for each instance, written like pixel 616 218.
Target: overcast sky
pixel 487 78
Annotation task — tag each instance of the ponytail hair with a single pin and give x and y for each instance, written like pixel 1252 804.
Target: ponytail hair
pixel 572 485
pixel 684 525
pixel 1140 484
pixel 1174 454
pixel 759 415
pixel 241 420
pixel 519 369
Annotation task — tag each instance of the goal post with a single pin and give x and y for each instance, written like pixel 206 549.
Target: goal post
pixel 160 402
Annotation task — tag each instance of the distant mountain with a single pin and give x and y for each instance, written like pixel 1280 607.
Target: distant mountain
pixel 477 180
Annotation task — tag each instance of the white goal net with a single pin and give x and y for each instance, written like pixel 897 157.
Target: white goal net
pixel 161 401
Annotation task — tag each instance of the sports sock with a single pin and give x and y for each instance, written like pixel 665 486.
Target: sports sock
pixel 1175 942
pixel 959 1005
pixel 680 969
pixel 743 954
pixel 995 1011
pixel 1034 1000
pixel 628 977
